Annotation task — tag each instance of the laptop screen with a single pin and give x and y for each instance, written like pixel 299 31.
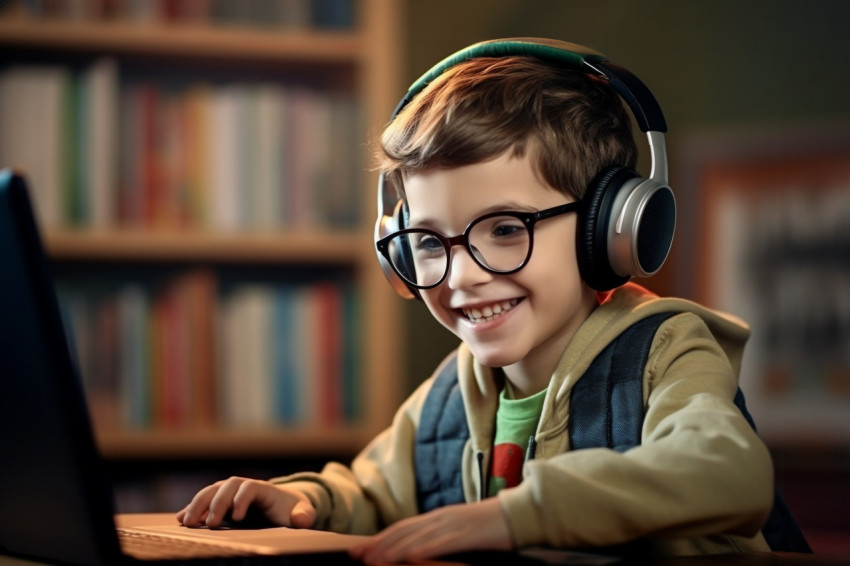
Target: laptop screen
pixel 56 500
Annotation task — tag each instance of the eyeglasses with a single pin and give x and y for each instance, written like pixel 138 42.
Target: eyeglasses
pixel 500 242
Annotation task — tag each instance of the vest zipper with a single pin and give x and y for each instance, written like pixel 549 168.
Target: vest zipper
pixel 530 449
pixel 482 488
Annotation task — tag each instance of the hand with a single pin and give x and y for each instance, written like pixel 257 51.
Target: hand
pixel 448 530
pixel 281 506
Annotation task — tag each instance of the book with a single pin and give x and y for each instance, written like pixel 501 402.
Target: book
pixel 329 351
pixel 269 161
pixel 100 173
pixel 33 115
pixel 245 399
pixel 134 357
pixel 285 365
pixel 225 181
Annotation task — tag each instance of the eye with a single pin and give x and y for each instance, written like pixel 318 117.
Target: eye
pixel 505 227
pixel 427 243
pixel 505 230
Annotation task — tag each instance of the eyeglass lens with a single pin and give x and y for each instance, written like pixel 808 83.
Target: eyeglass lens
pixel 498 243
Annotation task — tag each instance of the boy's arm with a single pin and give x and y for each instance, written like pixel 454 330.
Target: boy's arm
pixel 378 489
pixel 700 470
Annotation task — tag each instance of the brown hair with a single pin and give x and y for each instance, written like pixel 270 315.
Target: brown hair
pixel 574 125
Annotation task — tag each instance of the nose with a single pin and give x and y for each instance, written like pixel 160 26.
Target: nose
pixel 464 271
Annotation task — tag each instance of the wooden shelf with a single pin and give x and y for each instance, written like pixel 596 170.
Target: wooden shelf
pixel 232 443
pixel 144 245
pixel 196 41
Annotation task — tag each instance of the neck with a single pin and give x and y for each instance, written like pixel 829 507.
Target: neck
pixel 533 373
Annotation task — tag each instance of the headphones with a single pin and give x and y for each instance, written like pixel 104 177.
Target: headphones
pixel 625 223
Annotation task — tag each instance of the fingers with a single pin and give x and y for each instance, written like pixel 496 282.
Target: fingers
pixel 303 515
pixel 210 505
pixel 395 543
pixel 239 501
pixel 195 513
pixel 224 499
pixel 449 530
pixel 236 495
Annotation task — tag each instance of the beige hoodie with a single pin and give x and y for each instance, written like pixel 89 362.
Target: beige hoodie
pixel 700 482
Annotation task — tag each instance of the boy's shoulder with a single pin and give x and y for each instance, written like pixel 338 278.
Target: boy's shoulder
pixel 631 302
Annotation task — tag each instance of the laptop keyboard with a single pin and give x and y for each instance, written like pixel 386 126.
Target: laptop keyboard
pixel 150 546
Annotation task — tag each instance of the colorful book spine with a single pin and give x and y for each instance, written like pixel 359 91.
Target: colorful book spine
pixel 185 356
pixel 139 154
pixel 267 14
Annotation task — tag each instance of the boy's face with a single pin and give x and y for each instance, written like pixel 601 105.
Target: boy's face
pixel 541 305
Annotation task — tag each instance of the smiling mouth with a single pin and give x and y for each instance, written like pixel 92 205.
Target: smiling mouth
pixel 489 312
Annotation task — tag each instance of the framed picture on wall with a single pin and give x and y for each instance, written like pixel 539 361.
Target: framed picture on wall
pixel 769 222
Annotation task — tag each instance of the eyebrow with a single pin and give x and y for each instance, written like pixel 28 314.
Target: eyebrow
pixel 512 206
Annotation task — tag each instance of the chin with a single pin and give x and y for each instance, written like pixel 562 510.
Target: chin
pixel 493 357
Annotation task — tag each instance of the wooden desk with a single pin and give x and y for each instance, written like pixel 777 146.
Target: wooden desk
pixel 761 559
pixel 725 559
pixel 756 559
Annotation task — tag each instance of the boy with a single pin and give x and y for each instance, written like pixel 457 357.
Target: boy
pixel 493 158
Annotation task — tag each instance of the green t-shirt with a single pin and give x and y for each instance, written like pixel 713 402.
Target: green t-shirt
pixel 516 422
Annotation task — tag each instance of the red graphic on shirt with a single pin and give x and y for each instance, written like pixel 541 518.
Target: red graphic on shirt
pixel 507 463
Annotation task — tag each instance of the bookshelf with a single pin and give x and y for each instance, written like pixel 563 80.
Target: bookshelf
pixel 99 254
pixel 121 245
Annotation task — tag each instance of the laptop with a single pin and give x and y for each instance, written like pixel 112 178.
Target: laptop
pixel 56 501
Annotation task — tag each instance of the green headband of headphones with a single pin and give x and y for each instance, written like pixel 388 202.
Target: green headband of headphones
pixel 645 108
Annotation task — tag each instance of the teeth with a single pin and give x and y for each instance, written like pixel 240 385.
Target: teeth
pixel 490 311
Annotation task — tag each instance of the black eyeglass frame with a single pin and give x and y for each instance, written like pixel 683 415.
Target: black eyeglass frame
pixel 529 219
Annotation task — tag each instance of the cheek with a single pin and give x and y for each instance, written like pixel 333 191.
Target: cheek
pixel 552 276
pixel 555 252
pixel 431 298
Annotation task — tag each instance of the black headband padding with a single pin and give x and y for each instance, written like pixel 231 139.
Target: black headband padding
pixel 635 93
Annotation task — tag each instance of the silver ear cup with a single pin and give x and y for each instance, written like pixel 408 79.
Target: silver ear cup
pixel 640 231
pixel 386 225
